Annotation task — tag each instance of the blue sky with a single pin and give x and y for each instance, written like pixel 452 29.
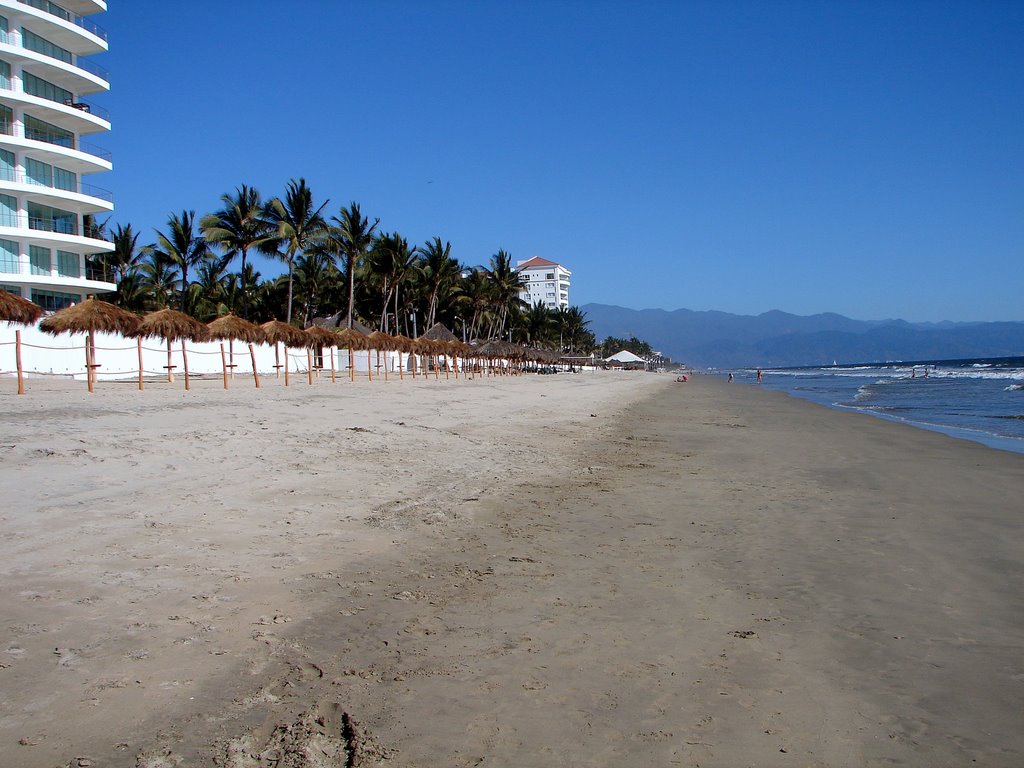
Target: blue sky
pixel 858 157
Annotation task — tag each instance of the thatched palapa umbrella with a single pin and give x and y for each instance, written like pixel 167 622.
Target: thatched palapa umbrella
pixel 354 340
pixel 318 338
pixel 283 333
pixel 15 309
pixel 88 317
pixel 172 325
pixel 233 327
pixel 403 344
pixel 381 342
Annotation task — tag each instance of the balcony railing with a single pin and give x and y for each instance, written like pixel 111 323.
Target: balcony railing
pixel 90 66
pixel 62 13
pixel 95 269
pixel 93 68
pixel 11 174
pixel 88 107
pixel 65 227
pixel 61 140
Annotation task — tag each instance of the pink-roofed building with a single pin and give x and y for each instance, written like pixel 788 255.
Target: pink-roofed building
pixel 548 283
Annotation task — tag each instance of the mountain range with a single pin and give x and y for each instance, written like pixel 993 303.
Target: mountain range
pixel 776 339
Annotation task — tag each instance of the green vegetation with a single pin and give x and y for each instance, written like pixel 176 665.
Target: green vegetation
pixel 343 265
pixel 611 345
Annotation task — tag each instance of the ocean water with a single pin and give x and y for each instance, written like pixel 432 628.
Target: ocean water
pixel 979 399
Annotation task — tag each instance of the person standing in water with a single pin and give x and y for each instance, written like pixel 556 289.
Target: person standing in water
pixel 760 376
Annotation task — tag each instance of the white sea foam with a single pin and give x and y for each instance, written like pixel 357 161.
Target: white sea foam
pixel 1014 387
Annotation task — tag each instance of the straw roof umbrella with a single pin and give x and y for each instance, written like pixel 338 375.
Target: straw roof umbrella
pixel 233 327
pixel 406 345
pixel 15 309
pixel 430 348
pixel 380 341
pixel 283 333
pixel 88 317
pixel 438 332
pixel 318 338
pixel 353 339
pixel 172 325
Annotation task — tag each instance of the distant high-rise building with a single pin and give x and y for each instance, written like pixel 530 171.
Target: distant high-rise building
pixel 48 213
pixel 548 283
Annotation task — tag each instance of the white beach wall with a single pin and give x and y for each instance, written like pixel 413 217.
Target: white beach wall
pixel 118 357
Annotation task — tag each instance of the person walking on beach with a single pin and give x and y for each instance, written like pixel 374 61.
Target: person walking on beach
pixel 760 376
pixel 730 378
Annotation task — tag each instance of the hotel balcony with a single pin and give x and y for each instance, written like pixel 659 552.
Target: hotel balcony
pixel 66 24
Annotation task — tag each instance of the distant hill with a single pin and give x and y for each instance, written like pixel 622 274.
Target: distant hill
pixel 775 339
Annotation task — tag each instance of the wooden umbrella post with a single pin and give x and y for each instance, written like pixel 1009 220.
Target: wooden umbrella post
pixel 369 365
pixel 88 361
pixel 351 365
pixel 385 363
pixel 255 373
pixel 437 368
pixel 141 385
pixel 333 350
pixel 277 362
pixel 285 364
pixel 224 365
pixel 309 365
pixel 231 356
pixel 184 362
pixel 17 357
pixel 447 367
pixel 401 367
pixel 412 359
pixel 170 367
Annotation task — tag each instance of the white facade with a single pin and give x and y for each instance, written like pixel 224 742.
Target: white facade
pixel 45 76
pixel 548 283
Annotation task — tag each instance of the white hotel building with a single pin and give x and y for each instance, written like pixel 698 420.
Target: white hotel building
pixel 548 283
pixel 47 210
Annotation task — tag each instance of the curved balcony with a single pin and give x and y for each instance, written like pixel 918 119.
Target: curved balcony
pixel 92 278
pixel 78 115
pixel 64 27
pixel 81 76
pixel 82 198
pixel 51 233
pixel 81 157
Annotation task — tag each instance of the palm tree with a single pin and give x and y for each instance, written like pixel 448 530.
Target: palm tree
pixel 506 285
pixel 390 262
pixel 298 227
pixel 159 277
pixel 537 324
pixel 126 255
pixel 572 325
pixel 440 274
pixel 476 291
pixel 239 225
pixel 181 246
pixel 354 234
pixel 316 279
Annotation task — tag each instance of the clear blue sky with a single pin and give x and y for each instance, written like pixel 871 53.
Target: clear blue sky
pixel 860 157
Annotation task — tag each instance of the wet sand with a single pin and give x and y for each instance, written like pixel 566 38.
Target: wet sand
pixel 484 573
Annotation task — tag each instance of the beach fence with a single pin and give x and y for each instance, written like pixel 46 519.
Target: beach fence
pixel 40 355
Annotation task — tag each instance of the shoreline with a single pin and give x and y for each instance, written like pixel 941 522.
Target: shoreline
pixel 701 574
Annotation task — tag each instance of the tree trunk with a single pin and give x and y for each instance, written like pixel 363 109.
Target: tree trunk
pixel 241 285
pixel 290 270
pixel 351 261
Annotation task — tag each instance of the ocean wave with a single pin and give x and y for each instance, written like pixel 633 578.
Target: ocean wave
pixel 1014 388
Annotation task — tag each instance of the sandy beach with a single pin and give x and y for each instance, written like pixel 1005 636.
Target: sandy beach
pixel 572 570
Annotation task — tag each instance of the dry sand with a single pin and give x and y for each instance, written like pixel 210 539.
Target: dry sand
pixel 574 570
